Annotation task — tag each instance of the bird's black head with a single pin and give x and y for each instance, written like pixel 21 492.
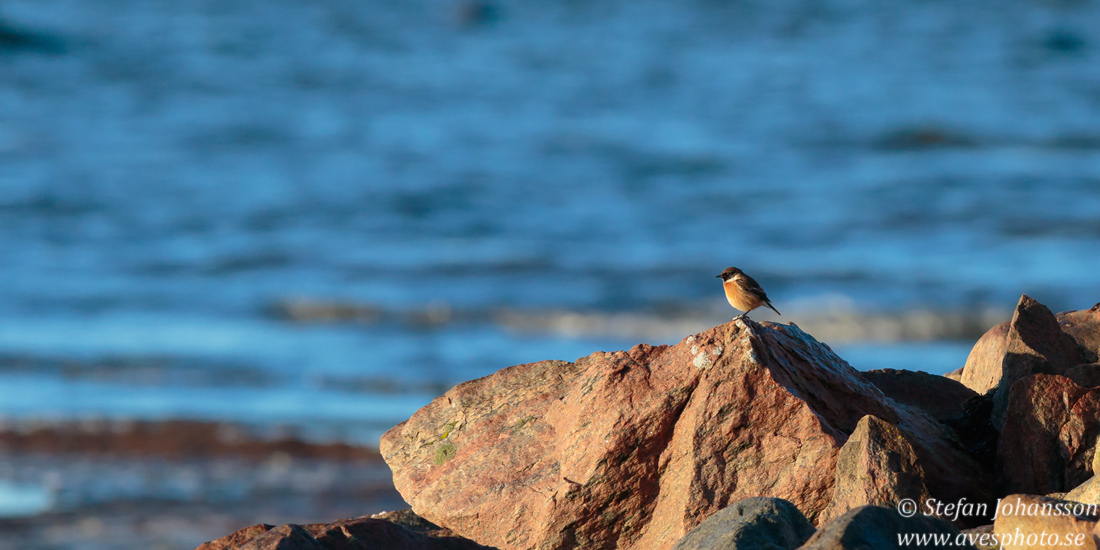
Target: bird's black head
pixel 729 273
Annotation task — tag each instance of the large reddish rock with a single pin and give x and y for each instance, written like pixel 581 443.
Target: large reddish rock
pixel 237 539
pixel 1087 492
pixel 1048 439
pixel 1033 342
pixel 751 523
pixel 975 430
pixel 1088 375
pixel 1032 522
pixel 402 530
pixel 982 370
pixel 877 466
pixel 939 396
pixel 882 528
pixel 1084 326
pixel 283 537
pixel 631 449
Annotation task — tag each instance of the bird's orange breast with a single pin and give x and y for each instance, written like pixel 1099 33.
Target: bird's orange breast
pixel 740 299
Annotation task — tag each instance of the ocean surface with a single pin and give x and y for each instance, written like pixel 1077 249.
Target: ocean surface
pixel 320 215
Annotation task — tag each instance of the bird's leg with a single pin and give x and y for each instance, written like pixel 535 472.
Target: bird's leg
pixel 742 316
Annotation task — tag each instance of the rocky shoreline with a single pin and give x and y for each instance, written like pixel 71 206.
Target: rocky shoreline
pixel 749 435
pixel 123 484
pixel 173 439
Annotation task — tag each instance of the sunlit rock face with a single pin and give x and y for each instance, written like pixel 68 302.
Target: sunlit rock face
pixel 631 449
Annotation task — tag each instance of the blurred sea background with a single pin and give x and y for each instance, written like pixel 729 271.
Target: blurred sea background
pixel 308 219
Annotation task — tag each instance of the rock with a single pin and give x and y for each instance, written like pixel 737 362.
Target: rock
pixel 1032 343
pixel 1087 375
pixel 955 375
pixel 283 537
pixel 939 396
pixel 982 537
pixel 876 466
pixel 632 449
pixel 877 527
pixel 756 523
pixel 982 370
pixel 975 431
pixel 389 531
pixel 1087 492
pixel 409 520
pixel 1084 327
pixel 1048 439
pixel 380 534
pixel 1023 519
pixel 238 538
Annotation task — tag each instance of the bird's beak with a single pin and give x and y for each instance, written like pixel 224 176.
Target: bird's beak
pixel 719 276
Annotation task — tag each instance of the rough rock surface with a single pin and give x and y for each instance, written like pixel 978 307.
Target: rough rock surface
pixel 876 466
pixel 982 537
pixel 939 396
pixel 877 527
pixel 982 370
pixel 757 523
pixel 632 449
pixel 1033 342
pixel 1084 326
pixel 1048 439
pixel 1087 492
pixel 955 375
pixel 237 539
pixel 976 432
pixel 1087 375
pixel 1022 516
pixel 283 537
pixel 401 530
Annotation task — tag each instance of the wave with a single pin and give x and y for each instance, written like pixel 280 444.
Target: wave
pixel 826 322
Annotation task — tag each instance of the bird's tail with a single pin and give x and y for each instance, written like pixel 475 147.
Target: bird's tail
pixel 770 306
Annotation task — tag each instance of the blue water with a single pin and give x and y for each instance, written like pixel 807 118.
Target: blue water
pixel 20 500
pixel 171 172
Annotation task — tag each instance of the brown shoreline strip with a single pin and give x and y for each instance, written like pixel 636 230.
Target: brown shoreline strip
pixel 168 439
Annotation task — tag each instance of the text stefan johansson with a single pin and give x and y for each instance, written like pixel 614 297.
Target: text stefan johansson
pixel 963 508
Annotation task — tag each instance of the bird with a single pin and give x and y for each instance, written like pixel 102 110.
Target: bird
pixel 743 292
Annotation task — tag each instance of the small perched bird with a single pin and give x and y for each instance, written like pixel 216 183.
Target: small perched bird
pixel 743 292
